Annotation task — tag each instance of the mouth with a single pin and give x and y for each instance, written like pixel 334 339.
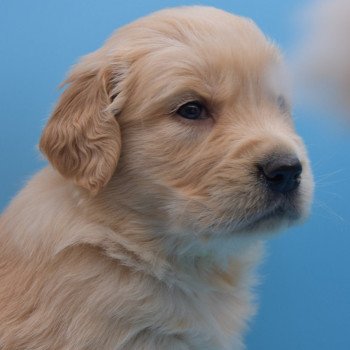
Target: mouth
pixel 270 220
pixel 281 214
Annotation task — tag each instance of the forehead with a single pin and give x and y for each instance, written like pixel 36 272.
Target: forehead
pixel 198 47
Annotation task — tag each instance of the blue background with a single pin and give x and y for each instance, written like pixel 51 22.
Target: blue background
pixel 305 292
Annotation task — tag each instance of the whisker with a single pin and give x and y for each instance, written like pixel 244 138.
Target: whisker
pixel 329 210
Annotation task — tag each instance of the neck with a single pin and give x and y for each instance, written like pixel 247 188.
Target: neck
pixel 145 242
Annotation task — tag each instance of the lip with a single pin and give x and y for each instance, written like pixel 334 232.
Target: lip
pixel 284 214
pixel 278 213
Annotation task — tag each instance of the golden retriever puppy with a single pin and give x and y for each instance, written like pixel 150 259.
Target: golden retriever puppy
pixel 173 152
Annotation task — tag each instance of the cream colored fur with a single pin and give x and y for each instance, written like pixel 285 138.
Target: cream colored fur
pixel 145 232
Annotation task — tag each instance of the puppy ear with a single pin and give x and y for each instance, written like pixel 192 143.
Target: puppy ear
pixel 82 138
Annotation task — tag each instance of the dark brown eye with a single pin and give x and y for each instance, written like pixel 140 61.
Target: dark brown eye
pixel 282 103
pixel 192 110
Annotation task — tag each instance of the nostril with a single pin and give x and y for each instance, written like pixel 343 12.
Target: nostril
pixel 276 178
pixel 281 173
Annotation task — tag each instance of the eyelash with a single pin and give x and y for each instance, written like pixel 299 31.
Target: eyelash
pixel 193 110
pixel 281 101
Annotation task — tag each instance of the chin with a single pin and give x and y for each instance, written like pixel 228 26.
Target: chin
pixel 291 212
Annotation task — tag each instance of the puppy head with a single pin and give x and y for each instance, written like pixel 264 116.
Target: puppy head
pixel 207 143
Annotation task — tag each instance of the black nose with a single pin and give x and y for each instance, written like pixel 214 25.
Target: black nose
pixel 281 173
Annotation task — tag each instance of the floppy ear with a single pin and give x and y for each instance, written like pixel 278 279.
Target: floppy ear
pixel 82 138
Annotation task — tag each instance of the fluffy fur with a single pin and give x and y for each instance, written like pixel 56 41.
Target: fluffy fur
pixel 145 232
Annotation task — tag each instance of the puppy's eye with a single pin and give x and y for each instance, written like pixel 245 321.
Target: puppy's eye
pixel 282 103
pixel 192 110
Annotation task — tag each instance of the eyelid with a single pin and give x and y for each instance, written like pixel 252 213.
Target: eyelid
pixel 180 100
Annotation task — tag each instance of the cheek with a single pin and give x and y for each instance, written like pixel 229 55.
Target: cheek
pixel 234 186
pixel 170 151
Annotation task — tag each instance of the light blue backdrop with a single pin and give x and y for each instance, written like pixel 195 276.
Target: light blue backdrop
pixel 305 291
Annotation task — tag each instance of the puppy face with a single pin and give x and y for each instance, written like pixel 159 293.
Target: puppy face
pixel 205 137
